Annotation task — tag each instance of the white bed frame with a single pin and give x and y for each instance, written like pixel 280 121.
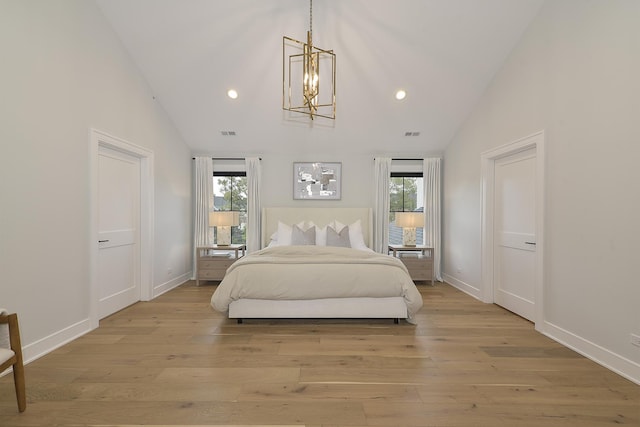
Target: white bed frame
pixel 365 308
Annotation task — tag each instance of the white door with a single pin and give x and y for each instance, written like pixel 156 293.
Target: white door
pixel 514 233
pixel 118 230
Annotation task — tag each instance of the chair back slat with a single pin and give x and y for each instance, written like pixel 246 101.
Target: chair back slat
pixel 4 329
pixel 10 339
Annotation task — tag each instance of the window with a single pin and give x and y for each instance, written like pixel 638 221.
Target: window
pixel 406 193
pixel 230 194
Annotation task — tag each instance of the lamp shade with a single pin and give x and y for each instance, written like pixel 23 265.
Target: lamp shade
pixel 410 219
pixel 224 218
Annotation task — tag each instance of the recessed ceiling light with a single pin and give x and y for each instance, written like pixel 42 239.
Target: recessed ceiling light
pixel 232 94
pixel 400 95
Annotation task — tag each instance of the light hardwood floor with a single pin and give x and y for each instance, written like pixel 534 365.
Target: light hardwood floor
pixel 174 361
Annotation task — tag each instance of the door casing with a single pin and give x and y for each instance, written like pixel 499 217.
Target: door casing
pixel 488 158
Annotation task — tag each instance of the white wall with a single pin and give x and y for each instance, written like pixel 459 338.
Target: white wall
pixel 575 75
pixel 318 143
pixel 357 176
pixel 63 72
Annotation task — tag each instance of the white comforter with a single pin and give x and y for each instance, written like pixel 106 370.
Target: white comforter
pixel 314 272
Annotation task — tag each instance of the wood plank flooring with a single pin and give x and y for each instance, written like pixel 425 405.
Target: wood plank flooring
pixel 174 361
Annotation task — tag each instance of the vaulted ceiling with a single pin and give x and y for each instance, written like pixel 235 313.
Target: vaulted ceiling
pixel 444 53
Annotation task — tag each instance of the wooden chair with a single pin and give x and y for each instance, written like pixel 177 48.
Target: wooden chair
pixel 11 354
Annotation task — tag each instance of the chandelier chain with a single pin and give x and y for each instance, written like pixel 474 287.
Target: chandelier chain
pixel 311 18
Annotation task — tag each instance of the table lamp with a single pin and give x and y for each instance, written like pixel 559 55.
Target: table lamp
pixel 409 221
pixel 224 220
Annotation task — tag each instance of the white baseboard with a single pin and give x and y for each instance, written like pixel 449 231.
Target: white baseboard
pixel 464 287
pixel 614 362
pixel 173 283
pixel 46 345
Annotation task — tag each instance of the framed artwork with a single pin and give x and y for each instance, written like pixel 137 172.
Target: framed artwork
pixel 317 181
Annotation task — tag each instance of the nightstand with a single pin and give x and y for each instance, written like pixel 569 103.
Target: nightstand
pixel 212 261
pixel 418 260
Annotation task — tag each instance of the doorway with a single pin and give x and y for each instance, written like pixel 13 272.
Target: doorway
pixel 121 224
pixel 118 230
pixel 514 236
pixel 513 227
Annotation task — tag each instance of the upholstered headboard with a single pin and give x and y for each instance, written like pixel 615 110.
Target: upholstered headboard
pixel 319 216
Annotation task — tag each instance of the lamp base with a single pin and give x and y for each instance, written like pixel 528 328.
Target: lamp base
pixel 409 236
pixel 224 235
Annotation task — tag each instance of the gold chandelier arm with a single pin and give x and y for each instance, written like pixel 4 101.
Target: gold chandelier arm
pixel 306 87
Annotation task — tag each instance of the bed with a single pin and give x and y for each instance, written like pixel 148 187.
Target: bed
pixel 286 279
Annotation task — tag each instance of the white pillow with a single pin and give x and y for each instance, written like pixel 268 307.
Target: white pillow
pixel 355 234
pixel 273 240
pixel 321 234
pixel 284 234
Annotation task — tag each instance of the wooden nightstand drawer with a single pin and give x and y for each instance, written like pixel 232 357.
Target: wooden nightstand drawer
pixel 420 274
pixel 222 263
pixel 212 262
pixel 416 262
pixel 212 274
pixel 417 259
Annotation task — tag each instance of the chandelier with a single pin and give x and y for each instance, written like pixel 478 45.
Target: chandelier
pixel 304 89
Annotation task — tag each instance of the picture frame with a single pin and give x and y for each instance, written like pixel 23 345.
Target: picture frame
pixel 317 180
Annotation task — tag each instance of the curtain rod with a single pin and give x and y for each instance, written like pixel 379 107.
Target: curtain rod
pixel 228 158
pixel 401 159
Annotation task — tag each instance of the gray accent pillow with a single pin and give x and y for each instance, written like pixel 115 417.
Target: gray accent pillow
pixel 299 237
pixel 338 239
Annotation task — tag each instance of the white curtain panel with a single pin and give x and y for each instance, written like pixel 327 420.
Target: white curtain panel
pixel 254 207
pixel 203 195
pixel 432 208
pixel 382 176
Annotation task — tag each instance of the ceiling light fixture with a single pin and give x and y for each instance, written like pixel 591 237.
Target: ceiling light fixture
pixel 301 78
pixel 400 95
pixel 232 94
